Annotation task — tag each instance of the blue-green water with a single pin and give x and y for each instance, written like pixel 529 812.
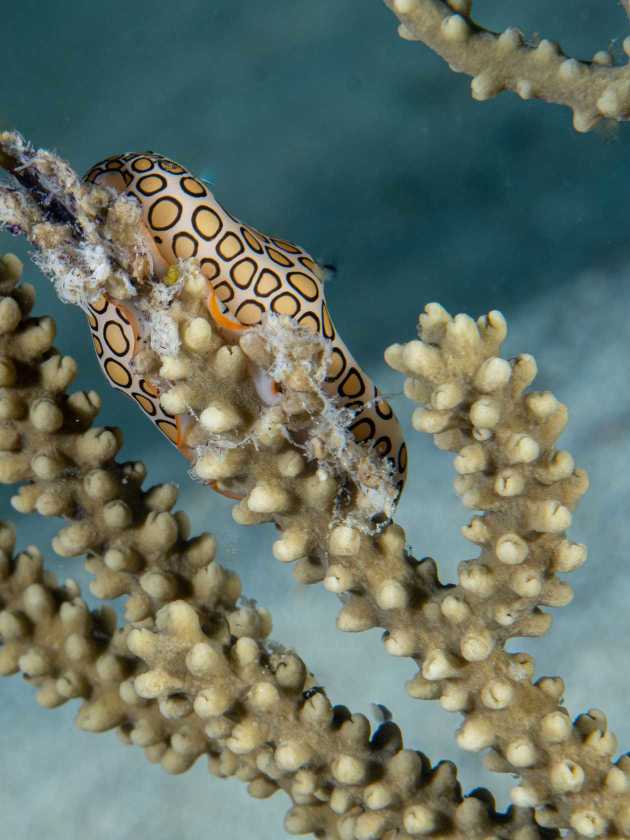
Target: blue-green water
pixel 318 124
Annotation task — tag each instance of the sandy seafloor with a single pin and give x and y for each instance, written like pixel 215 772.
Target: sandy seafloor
pixel 320 125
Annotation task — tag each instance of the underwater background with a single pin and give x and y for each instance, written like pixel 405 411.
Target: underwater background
pixel 318 124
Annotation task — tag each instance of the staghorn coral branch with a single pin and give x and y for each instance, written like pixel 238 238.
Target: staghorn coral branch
pixel 475 403
pixel 194 676
pixel 507 464
pixel 497 62
pixel 167 686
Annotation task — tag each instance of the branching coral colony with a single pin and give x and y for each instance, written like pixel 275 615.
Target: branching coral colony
pixel 191 672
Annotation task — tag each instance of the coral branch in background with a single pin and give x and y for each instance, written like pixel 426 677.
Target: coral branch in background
pixel 497 62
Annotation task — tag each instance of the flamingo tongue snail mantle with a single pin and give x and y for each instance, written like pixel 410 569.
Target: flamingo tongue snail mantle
pixel 249 274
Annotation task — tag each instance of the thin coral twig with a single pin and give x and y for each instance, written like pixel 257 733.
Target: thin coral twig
pixel 592 89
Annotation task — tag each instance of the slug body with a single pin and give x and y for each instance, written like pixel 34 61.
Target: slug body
pixel 249 274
